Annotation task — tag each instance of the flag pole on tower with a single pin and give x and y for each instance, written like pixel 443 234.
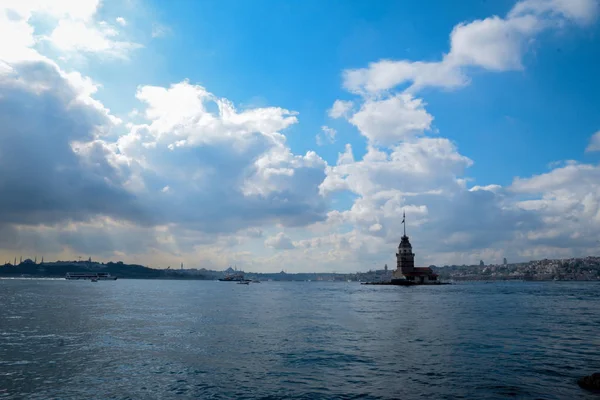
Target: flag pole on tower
pixel 404 222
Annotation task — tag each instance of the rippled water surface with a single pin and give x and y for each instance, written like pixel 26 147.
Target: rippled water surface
pixel 136 339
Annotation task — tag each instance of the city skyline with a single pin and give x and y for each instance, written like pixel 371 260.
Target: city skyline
pixel 186 133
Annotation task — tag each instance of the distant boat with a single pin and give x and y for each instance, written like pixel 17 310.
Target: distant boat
pixel 94 279
pixel 238 277
pixel 98 276
pixel 243 283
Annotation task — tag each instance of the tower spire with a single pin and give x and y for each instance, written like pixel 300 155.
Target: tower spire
pixel 404 221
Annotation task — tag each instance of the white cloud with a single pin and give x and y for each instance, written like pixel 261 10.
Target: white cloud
pixel 422 165
pixel 386 74
pixel 159 30
pixel 80 10
pixel 594 143
pixel 235 163
pixel 19 47
pixel 75 30
pixel 494 43
pixel 581 11
pixel 121 21
pixel 279 242
pixel 179 112
pixel 376 227
pixel 77 36
pixel 575 175
pixel 490 188
pixel 340 108
pixel 254 233
pixel 327 135
pixel 391 120
pixel 568 200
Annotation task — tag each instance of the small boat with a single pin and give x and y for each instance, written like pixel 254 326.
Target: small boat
pixel 243 283
pixel 99 276
pixel 94 279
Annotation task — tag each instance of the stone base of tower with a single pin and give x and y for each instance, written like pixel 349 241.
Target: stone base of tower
pixel 393 282
pixel 404 282
pixel 416 276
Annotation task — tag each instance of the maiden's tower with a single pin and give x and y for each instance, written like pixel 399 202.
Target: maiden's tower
pixel 405 272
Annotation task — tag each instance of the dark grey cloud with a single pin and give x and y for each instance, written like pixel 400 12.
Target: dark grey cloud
pixel 55 168
pixel 42 179
pixel 483 216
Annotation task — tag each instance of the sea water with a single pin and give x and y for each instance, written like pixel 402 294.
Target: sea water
pixel 153 339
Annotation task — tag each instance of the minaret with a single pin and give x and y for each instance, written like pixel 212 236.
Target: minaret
pixel 35 260
pixel 20 259
pixel 42 260
pixel 405 258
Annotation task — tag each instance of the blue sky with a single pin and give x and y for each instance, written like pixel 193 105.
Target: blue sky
pixel 447 99
pixel 291 54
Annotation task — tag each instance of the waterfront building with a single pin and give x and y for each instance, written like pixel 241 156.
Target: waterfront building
pixel 405 263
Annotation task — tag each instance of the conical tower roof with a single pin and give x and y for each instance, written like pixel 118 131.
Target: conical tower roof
pixel 404 243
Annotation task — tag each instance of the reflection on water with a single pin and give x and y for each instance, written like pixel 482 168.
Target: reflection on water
pixel 178 339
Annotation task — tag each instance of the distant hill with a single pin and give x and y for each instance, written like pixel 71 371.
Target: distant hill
pixel 59 269
pixel 570 269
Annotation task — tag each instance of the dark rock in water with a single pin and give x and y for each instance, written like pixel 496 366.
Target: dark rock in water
pixel 591 382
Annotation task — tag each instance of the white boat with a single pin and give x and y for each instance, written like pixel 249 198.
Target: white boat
pixel 97 276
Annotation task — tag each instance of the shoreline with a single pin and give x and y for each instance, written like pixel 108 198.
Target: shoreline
pixel 454 282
